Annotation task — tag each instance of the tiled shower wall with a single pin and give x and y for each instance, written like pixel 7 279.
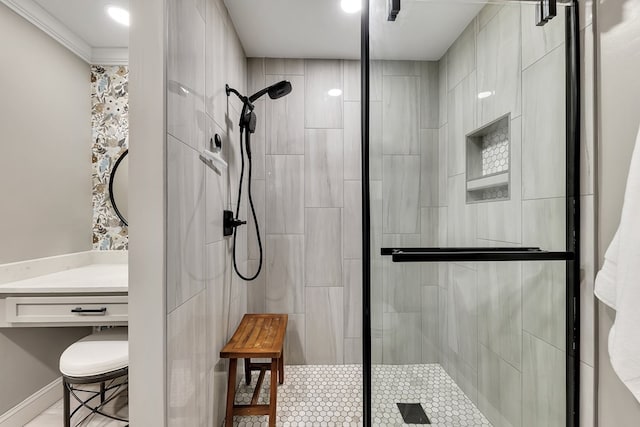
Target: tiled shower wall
pixel 308 192
pixel 502 325
pixel 205 299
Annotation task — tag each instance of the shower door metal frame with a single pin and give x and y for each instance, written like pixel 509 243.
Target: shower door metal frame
pixel 572 210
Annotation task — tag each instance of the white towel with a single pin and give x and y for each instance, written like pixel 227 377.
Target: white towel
pixel 618 283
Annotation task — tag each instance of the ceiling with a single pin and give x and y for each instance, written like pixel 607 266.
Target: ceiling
pixel 82 26
pixel 89 20
pixel 424 29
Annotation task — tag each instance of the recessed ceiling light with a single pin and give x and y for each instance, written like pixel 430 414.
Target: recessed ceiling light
pixel 483 95
pixel 335 92
pixel 118 14
pixel 351 6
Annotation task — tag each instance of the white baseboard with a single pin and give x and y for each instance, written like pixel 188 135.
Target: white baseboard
pixel 33 405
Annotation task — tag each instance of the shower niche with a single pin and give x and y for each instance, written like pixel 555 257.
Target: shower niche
pixel 488 161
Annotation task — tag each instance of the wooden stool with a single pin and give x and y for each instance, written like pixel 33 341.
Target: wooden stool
pixel 258 336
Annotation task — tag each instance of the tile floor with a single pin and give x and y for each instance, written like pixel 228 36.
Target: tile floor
pixel 331 395
pixel 52 417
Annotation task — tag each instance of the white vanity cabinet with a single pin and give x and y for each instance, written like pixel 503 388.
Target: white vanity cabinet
pixel 91 291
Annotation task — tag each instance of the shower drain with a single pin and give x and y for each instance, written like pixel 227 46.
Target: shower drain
pixel 412 413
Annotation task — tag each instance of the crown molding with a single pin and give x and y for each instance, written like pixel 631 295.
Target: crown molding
pixel 32 12
pixel 110 56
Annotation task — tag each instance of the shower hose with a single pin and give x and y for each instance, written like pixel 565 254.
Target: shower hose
pixel 247 136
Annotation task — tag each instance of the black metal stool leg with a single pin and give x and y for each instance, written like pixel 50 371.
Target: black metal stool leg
pixel 101 392
pixel 67 405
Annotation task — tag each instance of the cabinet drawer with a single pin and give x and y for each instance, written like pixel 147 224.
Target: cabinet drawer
pixel 92 310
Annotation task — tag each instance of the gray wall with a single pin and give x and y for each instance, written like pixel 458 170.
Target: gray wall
pixel 45 183
pixel 205 298
pixel 46 134
pixel 502 324
pixel 618 41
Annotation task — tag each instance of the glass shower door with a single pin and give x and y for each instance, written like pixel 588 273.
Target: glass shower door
pixel 473 219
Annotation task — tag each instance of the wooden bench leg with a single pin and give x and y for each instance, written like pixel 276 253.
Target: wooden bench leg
pixel 231 391
pixel 273 397
pixel 247 370
pixel 281 368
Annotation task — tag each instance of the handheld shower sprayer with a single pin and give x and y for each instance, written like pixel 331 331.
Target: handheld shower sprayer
pixel 247 127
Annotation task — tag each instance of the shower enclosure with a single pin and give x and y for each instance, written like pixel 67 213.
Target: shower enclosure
pixel 415 195
pixel 470 213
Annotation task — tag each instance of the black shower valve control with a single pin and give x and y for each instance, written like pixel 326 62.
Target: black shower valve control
pixel 229 223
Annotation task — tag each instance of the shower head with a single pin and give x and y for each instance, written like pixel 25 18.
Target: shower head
pixel 275 91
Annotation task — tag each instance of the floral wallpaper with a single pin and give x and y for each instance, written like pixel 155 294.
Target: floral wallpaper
pixel 110 136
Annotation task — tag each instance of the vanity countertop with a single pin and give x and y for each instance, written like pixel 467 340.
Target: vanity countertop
pixel 92 278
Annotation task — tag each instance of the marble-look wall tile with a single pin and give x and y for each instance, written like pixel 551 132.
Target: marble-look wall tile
pixel 429 167
pixel 321 109
pixel 443 160
pixel 352 141
pixel 186 363
pixel 323 247
pixel 256 75
pixel 587 278
pixel 285 194
pixel 285 273
pixel 487 14
pixel 401 281
pixel 287 66
pixel 429 238
pixel 352 217
pixel 544 223
pixel 216 187
pixel 401 194
pixel 285 117
pixel 256 289
pixel 400 342
pixel 294 342
pixel 377 260
pixel 502 220
pixel 443 91
pixel 500 309
pixel 462 120
pixel 462 319
pixel 375 81
pixel 324 326
pixel 324 167
pixel 587 119
pixel 400 68
pixel 538 41
pixel 258 191
pixel 258 141
pixel 352 282
pixel 218 287
pixel 499 70
pixel 543 128
pixel 351 81
pixel 462 218
pixel 461 57
pixel 430 325
pixel 499 389
pixel 215 69
pixel 353 351
pixel 429 94
pixel 400 115
pixel 185 223
pixel 186 74
pixel 588 402
pixel 544 301
pixel 543 384
pixel 375 140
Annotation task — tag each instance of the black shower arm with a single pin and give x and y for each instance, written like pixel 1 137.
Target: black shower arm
pixel 246 101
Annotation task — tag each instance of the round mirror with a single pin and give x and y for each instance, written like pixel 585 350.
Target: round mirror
pixel 119 187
